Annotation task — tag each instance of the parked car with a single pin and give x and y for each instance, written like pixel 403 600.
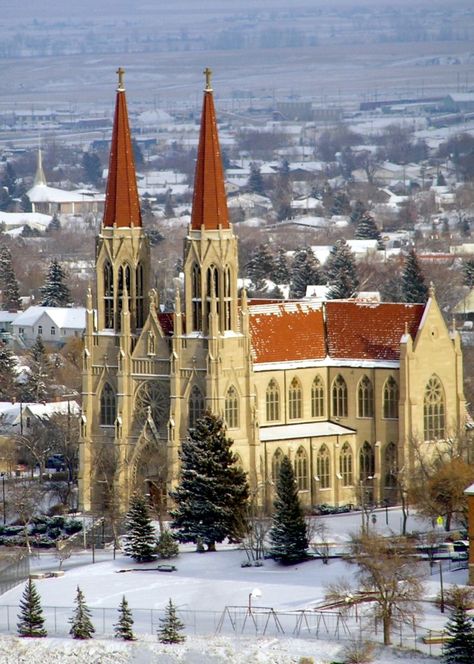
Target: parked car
pixel 55 462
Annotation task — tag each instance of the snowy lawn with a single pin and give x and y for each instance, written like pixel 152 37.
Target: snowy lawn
pixel 202 586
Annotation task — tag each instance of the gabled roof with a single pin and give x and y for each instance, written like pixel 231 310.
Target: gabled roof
pixel 62 317
pixel 122 206
pixel 359 330
pixel 209 201
pixel 286 332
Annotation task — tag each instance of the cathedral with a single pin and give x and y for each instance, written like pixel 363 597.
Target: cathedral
pixel 344 388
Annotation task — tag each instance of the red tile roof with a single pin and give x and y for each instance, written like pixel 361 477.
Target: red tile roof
pixel 287 332
pixel 357 330
pixel 209 201
pixel 122 206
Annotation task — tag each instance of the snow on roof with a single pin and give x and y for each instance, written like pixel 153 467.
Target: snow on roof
pixel 22 218
pixel 41 193
pixel 308 430
pixel 62 317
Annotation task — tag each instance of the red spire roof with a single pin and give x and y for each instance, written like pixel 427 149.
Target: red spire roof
pixel 209 201
pixel 122 207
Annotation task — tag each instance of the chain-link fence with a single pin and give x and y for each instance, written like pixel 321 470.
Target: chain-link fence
pixel 14 568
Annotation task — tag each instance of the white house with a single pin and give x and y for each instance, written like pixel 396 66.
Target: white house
pixel 53 324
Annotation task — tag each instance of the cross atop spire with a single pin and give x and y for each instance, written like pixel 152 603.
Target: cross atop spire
pixel 209 201
pixel 122 206
pixel 120 73
pixel 208 74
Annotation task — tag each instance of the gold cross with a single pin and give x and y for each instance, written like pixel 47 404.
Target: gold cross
pixel 208 73
pixel 120 73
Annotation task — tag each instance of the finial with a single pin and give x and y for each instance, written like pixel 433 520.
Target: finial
pixel 431 290
pixel 121 86
pixel 208 74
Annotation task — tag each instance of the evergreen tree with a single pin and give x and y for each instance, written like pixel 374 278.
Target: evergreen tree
pixel 38 383
pixel 92 168
pixel 358 212
pixel 281 271
pixel 81 625
pixel 341 272
pixel 440 180
pixel 54 225
pixel 140 538
pixel 8 374
pixel 167 545
pixel 171 626
pixel 260 267
pixel 169 211
pixel 305 271
pixel 341 204
pixel 124 627
pixel 8 282
pixel 255 183
pixel 31 621
pixel 288 534
pixel 459 649
pixel 367 230
pixel 468 270
pixel 138 157
pixel 414 288
pixel 55 293
pixel 212 492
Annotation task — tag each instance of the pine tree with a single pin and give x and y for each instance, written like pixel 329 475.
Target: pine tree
pixel 414 288
pixel 124 627
pixel 8 282
pixel 81 625
pixel 358 212
pixel 212 492
pixel 305 271
pixel 171 626
pixel 92 168
pixel 31 621
pixel 140 538
pixel 260 267
pixel 341 204
pixel 167 545
pixel 341 272
pixel 54 292
pixel 468 271
pixel 54 225
pixel 38 383
pixel 459 649
pixel 8 374
pixel 281 271
pixel 367 230
pixel 255 182
pixel 288 534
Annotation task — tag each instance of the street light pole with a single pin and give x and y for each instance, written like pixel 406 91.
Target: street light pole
pixel 441 586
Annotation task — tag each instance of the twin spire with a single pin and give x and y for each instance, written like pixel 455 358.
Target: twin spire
pixel 122 205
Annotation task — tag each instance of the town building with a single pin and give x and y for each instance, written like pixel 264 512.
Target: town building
pixel 344 388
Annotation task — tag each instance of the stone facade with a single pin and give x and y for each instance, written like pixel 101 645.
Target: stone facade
pixel 344 388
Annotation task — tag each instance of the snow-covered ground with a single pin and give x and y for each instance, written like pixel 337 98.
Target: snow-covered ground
pixel 202 586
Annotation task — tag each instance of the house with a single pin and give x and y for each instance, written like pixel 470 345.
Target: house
pixel 55 325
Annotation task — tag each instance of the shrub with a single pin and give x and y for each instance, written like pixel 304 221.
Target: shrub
pixel 359 652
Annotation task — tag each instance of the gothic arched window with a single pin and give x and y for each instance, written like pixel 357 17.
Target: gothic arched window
pixel 365 398
pixel 108 407
pixel 196 297
pixel 227 300
pixel 276 465
pixel 108 295
pixel 366 461
pixel 301 469
pixel 390 465
pixel 346 465
pixel 317 397
pixel 140 296
pixel 232 408
pixel 390 399
pixel 339 397
pixel 323 467
pixel 434 410
pixel 196 406
pixel 295 400
pixel 272 401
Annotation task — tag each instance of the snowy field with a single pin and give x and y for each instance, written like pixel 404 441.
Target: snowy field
pixel 202 586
